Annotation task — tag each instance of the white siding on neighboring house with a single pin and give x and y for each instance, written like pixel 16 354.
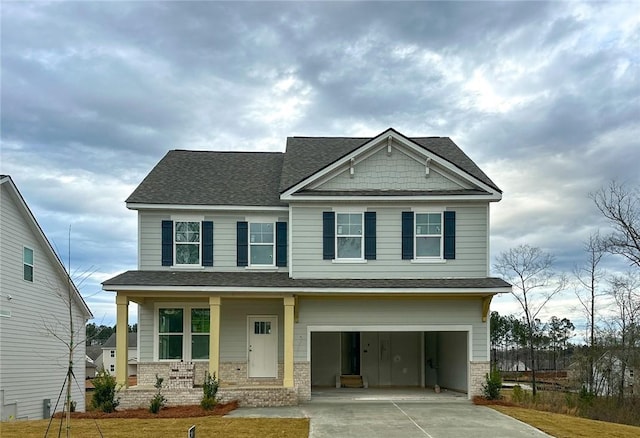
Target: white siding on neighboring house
pixel 224 236
pixel 471 244
pixel 33 363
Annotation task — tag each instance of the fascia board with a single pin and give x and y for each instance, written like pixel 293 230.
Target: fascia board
pixel 142 206
pixel 495 197
pixel 310 290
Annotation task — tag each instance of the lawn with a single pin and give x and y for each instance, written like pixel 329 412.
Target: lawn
pixel 567 426
pixel 205 427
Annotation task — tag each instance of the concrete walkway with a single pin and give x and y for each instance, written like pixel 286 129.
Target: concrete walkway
pixel 397 413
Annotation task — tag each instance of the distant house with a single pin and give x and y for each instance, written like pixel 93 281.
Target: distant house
pixel 108 358
pixel 90 368
pixel 341 261
pixel 34 291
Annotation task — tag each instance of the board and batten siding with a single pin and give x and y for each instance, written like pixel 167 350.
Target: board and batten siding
pixel 224 237
pixel 471 245
pixel 33 363
pixel 233 325
pixel 379 312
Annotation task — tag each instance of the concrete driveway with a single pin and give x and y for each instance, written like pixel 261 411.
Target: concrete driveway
pixel 369 414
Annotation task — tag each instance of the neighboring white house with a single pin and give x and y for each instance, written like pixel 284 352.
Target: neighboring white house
pixel 341 261
pixel 108 360
pixel 34 290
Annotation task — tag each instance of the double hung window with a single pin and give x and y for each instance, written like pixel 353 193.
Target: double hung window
pixel 349 232
pixel 183 333
pixel 27 264
pixel 200 321
pixel 170 333
pixel 428 235
pixel 187 243
pixel 261 243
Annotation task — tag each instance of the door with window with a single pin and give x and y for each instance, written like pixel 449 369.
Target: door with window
pixel 263 346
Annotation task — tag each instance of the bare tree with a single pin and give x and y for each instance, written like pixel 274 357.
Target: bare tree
pixel 529 270
pixel 588 277
pixel 620 204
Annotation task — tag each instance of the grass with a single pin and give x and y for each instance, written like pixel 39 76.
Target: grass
pixel 205 426
pixel 567 426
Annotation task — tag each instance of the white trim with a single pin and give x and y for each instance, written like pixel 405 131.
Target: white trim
pixel 337 236
pixel 350 261
pixel 290 244
pixel 311 290
pixel 423 259
pixel 261 220
pixel 403 198
pixel 143 206
pixel 376 141
pixel 33 262
pixel 187 219
pixel 488 237
pixel 139 231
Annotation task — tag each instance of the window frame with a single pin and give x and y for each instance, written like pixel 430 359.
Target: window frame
pixel 338 236
pixel 251 244
pixel 187 333
pixel 187 219
pixel 30 265
pixel 416 236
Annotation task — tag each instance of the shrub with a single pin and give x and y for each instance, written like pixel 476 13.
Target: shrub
pixel 491 389
pixel 517 396
pixel 210 389
pixel 104 396
pixel 158 400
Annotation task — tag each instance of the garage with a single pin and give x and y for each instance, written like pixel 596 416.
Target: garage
pixel 398 356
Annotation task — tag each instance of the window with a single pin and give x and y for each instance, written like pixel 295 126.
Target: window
pixel 187 241
pixel 112 368
pixel 428 235
pixel 200 333
pixel 113 353
pixel 261 243
pixel 170 331
pixel 27 261
pixel 349 235
pixel 262 327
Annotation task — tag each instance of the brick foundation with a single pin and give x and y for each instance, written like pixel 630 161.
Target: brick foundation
pixel 302 380
pixel 477 377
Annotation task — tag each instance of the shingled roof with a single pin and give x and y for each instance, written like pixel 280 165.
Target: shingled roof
pixel 258 178
pixel 212 178
pixel 282 280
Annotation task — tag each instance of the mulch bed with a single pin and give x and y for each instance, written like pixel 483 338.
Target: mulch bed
pixel 167 412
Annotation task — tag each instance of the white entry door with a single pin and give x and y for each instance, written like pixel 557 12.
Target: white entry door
pixel 263 346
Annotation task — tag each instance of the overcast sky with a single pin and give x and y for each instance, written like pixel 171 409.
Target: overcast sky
pixel 545 97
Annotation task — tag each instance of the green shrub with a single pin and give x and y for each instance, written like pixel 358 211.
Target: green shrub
pixel 491 389
pixel 104 396
pixel 517 396
pixel 210 389
pixel 158 401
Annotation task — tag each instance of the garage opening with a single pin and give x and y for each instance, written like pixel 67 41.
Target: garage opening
pixel 383 359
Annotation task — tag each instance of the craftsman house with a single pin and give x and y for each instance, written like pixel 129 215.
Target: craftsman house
pixel 342 261
pixel 36 300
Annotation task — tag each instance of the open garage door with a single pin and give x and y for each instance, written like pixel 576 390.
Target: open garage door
pixel 391 358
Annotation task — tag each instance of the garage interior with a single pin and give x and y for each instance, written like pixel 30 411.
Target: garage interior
pixel 387 359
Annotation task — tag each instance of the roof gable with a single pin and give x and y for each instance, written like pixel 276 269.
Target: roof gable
pixel 310 160
pixel 7 183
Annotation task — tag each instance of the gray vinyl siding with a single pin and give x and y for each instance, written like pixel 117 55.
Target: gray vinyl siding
pixel 379 312
pixel 233 325
pixel 33 363
pixel 471 245
pixel 224 237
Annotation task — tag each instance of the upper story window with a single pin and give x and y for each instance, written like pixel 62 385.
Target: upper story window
pixel 187 243
pixel 349 233
pixel 261 243
pixel 428 235
pixel 27 262
pixel 113 353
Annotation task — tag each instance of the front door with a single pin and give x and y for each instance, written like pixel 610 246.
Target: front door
pixel 263 346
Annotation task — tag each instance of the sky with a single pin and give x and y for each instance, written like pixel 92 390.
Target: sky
pixel 544 97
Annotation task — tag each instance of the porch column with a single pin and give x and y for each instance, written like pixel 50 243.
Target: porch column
pixel 214 336
pixel 122 329
pixel 289 305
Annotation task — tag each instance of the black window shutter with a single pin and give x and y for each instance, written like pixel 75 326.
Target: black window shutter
pixel 370 235
pixel 449 235
pixel 207 243
pixel 242 244
pixel 328 235
pixel 281 244
pixel 167 243
pixel 407 235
